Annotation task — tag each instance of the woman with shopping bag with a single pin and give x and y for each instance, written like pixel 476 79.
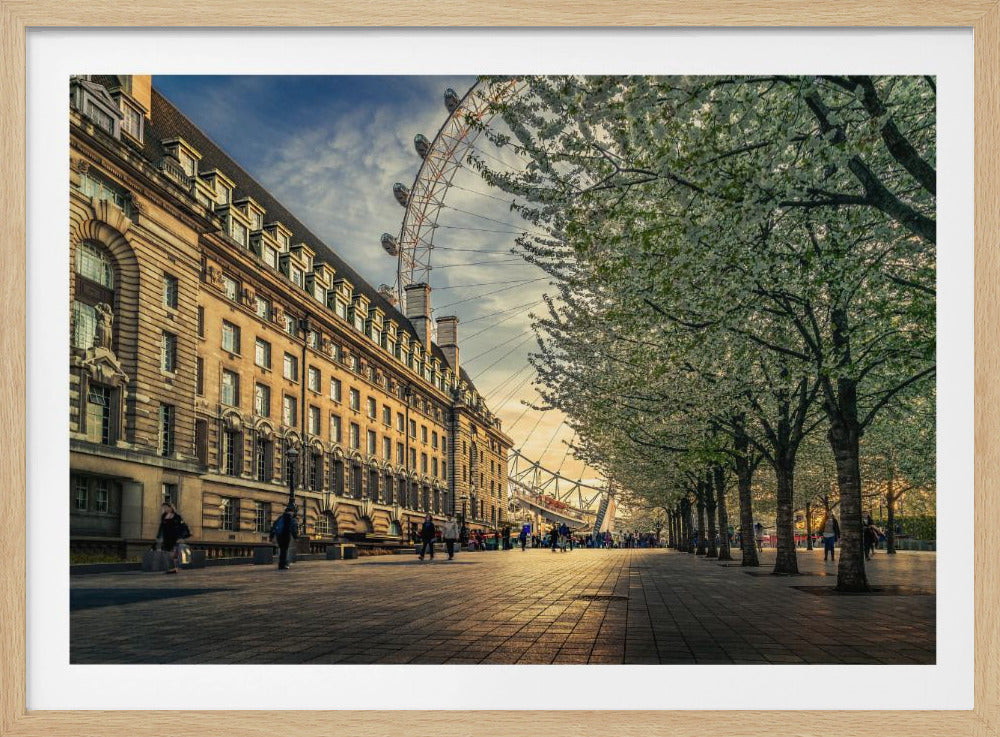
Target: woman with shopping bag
pixel 173 529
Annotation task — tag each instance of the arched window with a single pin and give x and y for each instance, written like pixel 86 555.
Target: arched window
pixel 95 285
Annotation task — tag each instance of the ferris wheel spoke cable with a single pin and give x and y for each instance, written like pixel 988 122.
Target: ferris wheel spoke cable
pixel 510 384
pixel 514 390
pixel 524 231
pixel 479 263
pixel 470 250
pixel 569 449
pixel 495 291
pixel 529 333
pixel 504 311
pixel 476 215
pixel 481 284
pixel 511 316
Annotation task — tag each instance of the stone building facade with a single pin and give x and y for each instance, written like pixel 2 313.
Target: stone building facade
pixel 214 339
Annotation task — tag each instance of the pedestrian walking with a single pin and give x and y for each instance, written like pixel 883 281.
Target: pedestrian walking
pixel 758 534
pixel 523 537
pixel 563 536
pixel 871 538
pixel 554 537
pixel 427 534
pixel 831 531
pixel 283 531
pixel 450 534
pixel 172 530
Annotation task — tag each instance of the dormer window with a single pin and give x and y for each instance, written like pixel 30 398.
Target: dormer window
pixel 238 232
pixel 188 164
pixel 132 120
pixel 101 118
pixel 257 220
pixel 296 275
pixel 283 240
pixel 341 310
pixel 225 194
pixel 359 323
pixel 270 257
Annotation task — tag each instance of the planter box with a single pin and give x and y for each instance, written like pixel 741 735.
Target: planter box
pixel 341 551
pixel 198 558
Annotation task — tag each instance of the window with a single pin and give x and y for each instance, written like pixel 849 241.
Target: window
pixel 399 454
pixel 355 436
pixel 201 441
pixel 295 274
pixel 289 411
pixel 434 466
pixel 316 471
pixel 434 440
pixel 413 458
pixel 444 469
pixel 270 256
pixel 262 459
pixel 199 375
pixel 312 338
pixel 101 496
pixel 386 416
pixel 132 122
pixel 229 513
pixel 413 429
pixel 201 321
pixel 168 353
pixel 84 325
pixel 167 429
pixel 335 390
pixel 359 321
pixel 341 310
pixel 231 288
pixel 336 429
pixel 372 443
pixel 262 400
pixel 354 363
pixel 355 400
pixel 93 264
pixel 99 414
pixel 444 444
pixel 323 525
pixel 230 388
pixel 238 231
pixel 230 337
pixel 168 494
pixel 261 517
pixel 386 449
pixel 231 452
pixel 291 367
pixel 171 288
pixel 262 353
pixel 256 221
pixel 423 463
pixel 371 408
pixel 290 325
pixel 314 379
pixel 400 421
pixel 423 433
pixel 99 189
pixel 313 426
pixel 263 307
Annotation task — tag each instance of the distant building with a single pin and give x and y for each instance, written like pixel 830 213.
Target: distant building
pixel 211 332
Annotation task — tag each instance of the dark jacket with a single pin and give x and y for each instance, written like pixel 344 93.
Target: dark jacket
pixel 291 527
pixel 427 531
pixel 171 530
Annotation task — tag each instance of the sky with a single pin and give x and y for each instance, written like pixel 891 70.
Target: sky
pixel 330 149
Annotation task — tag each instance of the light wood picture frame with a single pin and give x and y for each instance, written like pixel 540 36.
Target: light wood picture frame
pixel 18 16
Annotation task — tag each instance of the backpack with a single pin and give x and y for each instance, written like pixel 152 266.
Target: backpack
pixel 279 526
pixel 185 531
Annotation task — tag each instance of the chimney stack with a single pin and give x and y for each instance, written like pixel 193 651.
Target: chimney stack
pixel 418 311
pixel 447 337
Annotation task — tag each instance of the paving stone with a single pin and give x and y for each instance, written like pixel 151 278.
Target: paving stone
pixel 508 608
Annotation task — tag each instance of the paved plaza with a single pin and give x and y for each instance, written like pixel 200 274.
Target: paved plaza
pixel 587 606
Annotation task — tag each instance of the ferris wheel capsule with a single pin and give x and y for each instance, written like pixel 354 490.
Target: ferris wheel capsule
pixel 402 193
pixel 422 145
pixel 451 100
pixel 387 293
pixel 389 244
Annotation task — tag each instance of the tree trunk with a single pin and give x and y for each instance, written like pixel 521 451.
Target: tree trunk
pixel 710 512
pixel 701 527
pixel 744 482
pixel 719 477
pixel 785 560
pixel 851 574
pixel 890 497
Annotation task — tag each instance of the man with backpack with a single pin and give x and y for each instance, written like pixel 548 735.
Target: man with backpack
pixel 284 530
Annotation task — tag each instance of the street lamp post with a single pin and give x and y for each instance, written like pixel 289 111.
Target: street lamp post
pixel 293 456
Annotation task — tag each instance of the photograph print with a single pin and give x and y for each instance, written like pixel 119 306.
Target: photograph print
pixel 502 370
